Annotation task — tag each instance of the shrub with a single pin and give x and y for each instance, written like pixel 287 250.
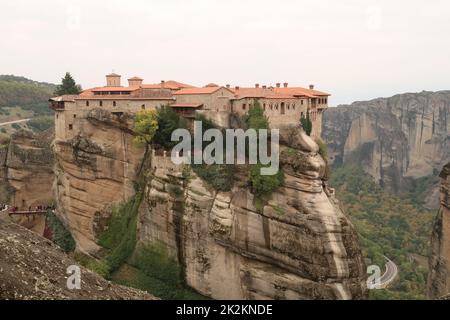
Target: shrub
pixel 61 236
pixel 145 126
pixel 323 149
pixel 218 176
pixel 120 237
pixel 160 274
pixel 263 185
pixel 168 121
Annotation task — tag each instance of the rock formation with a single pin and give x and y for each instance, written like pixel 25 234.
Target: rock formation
pixel 439 277
pixel 33 268
pixel 26 173
pixel 395 139
pixel 296 244
pixel 94 170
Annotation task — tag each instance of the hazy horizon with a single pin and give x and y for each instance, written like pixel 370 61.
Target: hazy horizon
pixel 355 50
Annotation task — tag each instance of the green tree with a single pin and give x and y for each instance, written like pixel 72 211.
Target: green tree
pixel 145 126
pixel 261 184
pixel 306 123
pixel 255 119
pixel 168 121
pixel 68 86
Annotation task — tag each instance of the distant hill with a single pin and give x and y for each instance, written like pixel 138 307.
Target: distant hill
pixel 25 93
pixel 22 98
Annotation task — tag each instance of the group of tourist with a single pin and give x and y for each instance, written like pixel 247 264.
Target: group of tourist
pixel 38 208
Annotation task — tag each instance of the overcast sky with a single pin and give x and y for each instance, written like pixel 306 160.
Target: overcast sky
pixel 354 49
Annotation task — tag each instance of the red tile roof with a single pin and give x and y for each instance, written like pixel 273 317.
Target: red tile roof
pixel 205 90
pixel 112 89
pixel 277 93
pixel 173 85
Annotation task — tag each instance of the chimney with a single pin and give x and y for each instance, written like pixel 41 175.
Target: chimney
pixel 257 85
pixel 237 87
pixel 285 84
pixel 228 86
pixel 135 82
pixel 311 87
pixel 278 85
pixel 163 83
pixel 113 80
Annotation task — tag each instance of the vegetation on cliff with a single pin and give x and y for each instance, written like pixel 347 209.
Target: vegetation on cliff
pixel 261 184
pixel 59 233
pixel 306 123
pixel 152 269
pixel 218 176
pixel 145 126
pixel 394 226
pixel 168 122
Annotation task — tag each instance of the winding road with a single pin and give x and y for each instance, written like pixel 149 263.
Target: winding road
pixel 12 122
pixel 391 273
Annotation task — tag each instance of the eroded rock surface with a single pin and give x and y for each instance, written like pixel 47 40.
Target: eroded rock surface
pixel 95 169
pixel 394 139
pixel 26 174
pixel 295 244
pixel 439 277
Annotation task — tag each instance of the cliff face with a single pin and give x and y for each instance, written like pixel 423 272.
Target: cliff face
pixel 93 171
pixel 26 173
pixel 297 244
pixel 439 277
pixel 397 138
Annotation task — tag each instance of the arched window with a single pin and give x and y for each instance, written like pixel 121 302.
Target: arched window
pixel 87 103
pixel 101 103
pixel 114 103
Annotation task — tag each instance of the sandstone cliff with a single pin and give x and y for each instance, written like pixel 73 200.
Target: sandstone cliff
pixel 395 139
pixel 33 268
pixel 295 244
pixel 26 173
pixel 439 277
pixel 94 170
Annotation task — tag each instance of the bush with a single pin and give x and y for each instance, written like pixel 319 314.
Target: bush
pixel 323 149
pixel 168 121
pixel 61 236
pixel 160 274
pixel 218 176
pixel 145 126
pixel 120 238
pixel 263 185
